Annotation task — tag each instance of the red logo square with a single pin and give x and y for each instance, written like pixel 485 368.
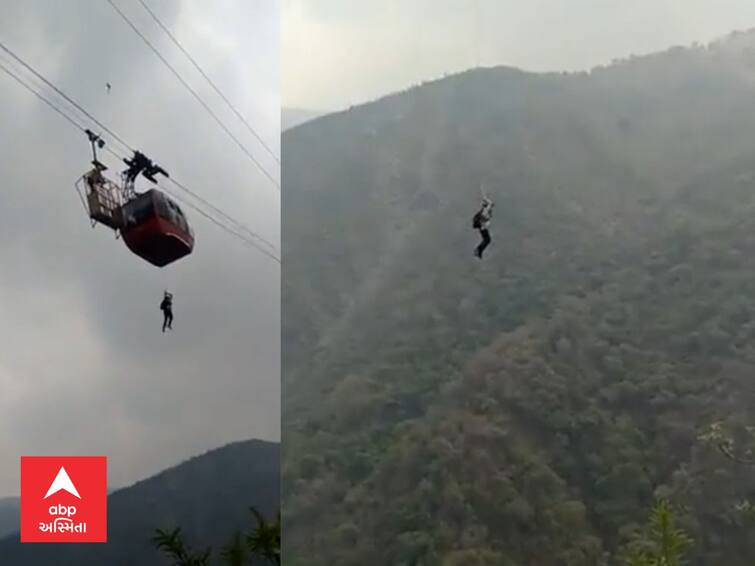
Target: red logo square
pixel 63 499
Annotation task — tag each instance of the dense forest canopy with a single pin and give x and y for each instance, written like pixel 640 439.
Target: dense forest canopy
pixel 529 408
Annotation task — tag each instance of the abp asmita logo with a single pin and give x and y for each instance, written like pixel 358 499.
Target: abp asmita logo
pixel 63 499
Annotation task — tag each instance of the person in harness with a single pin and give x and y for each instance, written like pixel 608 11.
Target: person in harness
pixel 138 163
pixel 141 164
pixel 481 222
pixel 167 307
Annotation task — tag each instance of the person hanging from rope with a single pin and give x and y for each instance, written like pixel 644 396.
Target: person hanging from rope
pixel 481 222
pixel 167 307
pixel 153 169
pixel 136 165
pixel 140 163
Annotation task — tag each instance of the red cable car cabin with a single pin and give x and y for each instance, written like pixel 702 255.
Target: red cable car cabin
pixel 155 228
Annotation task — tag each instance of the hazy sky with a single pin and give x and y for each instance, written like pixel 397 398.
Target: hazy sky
pixel 84 367
pixel 339 52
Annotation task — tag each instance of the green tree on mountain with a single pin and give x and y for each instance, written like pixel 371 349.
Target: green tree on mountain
pixel 664 543
pixel 261 545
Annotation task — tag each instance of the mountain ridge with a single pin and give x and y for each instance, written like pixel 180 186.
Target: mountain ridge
pixel 293 117
pixel 208 496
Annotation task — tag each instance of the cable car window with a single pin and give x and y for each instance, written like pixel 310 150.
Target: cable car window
pixel 176 215
pixel 138 211
pixel 163 209
pixel 181 218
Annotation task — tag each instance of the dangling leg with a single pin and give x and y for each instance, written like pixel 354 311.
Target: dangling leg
pixel 165 320
pixel 484 243
pixel 170 320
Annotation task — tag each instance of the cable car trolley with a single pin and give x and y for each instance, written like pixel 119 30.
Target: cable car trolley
pixel 151 224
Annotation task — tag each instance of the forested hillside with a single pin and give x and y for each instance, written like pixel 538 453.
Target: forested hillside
pixel 525 409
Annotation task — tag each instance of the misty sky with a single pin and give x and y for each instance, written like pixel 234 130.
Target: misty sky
pixel 338 52
pixel 84 367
